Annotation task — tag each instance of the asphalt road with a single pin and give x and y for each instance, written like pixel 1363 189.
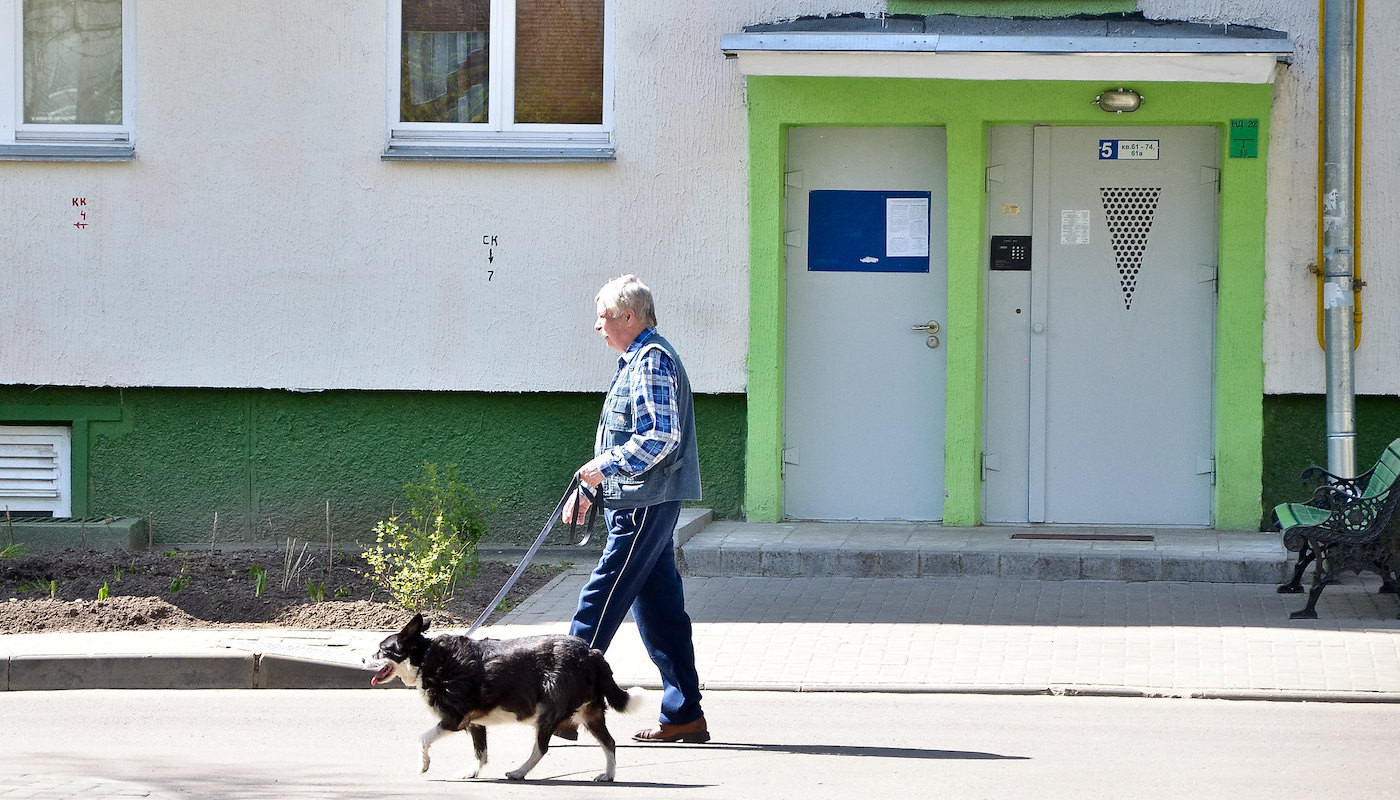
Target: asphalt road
pixel 362 744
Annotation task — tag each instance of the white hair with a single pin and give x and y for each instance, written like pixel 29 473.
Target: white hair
pixel 626 293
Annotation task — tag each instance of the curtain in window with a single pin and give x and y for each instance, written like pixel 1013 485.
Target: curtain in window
pixel 445 53
pixel 441 63
pixel 73 62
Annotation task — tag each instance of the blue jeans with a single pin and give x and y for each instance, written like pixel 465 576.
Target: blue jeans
pixel 638 570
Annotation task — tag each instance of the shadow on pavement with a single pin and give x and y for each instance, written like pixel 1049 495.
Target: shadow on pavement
pixel 852 750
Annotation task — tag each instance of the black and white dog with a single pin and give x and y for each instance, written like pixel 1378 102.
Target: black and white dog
pixel 473 683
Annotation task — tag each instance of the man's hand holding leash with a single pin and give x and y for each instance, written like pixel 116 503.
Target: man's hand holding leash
pixel 591 476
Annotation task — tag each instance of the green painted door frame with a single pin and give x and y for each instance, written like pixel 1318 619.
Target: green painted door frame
pixel 967 109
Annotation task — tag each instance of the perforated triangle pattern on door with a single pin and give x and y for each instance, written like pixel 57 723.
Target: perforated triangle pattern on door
pixel 1129 212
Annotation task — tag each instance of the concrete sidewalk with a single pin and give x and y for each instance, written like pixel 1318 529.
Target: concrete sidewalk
pixel 962 634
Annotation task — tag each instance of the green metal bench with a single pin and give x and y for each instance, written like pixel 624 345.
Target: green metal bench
pixel 1346 525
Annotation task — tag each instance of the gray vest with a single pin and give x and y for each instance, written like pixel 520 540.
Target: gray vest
pixel 675 477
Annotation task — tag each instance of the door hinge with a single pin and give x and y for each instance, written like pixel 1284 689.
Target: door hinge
pixel 1209 273
pixel 991 462
pixel 996 173
pixel 1205 465
pixel 792 180
pixel 1211 175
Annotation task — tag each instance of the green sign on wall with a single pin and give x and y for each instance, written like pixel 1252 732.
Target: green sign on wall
pixel 1244 138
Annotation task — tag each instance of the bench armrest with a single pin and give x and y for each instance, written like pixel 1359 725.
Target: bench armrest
pixel 1325 479
pixel 1355 520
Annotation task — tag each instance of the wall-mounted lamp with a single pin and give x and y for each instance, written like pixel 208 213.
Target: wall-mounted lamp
pixel 1119 101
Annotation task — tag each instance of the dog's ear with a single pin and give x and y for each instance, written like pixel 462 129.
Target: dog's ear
pixel 415 625
pixel 426 622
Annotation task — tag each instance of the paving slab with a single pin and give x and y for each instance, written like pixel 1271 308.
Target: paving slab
pixel 969 629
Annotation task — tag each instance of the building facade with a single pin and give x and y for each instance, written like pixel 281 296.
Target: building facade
pixel 266 262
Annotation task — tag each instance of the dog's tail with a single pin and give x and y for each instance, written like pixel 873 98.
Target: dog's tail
pixel 625 701
pixel 633 700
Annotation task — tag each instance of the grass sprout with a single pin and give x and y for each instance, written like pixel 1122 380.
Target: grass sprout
pixel 293 564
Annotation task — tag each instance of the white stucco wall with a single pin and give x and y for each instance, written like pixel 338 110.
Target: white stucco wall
pixel 259 241
pixel 1293 357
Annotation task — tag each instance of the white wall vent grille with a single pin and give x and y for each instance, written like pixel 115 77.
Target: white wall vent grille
pixel 36 470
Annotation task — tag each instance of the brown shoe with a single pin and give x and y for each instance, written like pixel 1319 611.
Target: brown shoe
pixel 567 730
pixel 688 732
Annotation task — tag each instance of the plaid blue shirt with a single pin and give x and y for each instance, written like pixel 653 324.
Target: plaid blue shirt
pixel 654 413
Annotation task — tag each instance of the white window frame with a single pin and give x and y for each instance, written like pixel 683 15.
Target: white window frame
pixel 501 139
pixel 61 142
pixel 24 446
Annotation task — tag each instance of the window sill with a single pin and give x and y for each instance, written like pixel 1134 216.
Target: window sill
pixel 23 151
pixel 521 150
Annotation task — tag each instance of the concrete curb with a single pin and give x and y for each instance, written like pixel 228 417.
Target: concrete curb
pixel 129 671
pixel 234 670
pixel 273 671
pixel 283 672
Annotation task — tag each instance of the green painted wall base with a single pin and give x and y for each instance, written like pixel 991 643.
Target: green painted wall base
pixel 269 461
pixel 1295 438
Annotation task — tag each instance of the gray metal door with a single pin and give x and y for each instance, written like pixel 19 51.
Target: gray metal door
pixel 1110 419
pixel 866 264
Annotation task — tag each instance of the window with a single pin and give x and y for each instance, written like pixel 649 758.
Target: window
pixel 67 91
pixel 500 79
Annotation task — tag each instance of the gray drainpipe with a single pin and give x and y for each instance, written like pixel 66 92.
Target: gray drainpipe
pixel 1337 192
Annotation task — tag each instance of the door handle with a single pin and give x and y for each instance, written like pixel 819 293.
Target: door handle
pixel 931 327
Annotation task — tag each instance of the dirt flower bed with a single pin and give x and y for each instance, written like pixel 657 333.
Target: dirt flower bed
pixel 153 590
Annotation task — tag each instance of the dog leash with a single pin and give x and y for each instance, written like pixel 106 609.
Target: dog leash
pixel 574 485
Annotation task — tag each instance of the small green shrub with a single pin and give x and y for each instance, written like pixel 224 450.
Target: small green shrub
pixel 316 591
pixel 443 499
pixel 419 568
pixel 104 593
pixel 420 556
pixel 13 551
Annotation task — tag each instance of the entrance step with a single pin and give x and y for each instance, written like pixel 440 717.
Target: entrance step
pixel 902 550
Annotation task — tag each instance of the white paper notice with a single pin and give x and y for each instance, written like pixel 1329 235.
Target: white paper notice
pixel 1074 227
pixel 1334 296
pixel 906 227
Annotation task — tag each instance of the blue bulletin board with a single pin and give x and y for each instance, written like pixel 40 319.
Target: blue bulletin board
pixel 867 231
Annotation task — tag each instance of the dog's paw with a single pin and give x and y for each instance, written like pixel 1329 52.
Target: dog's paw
pixel 424 761
pixel 467 774
pixel 516 774
pixel 605 777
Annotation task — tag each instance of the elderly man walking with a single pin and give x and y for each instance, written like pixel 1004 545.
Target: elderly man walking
pixel 646 462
